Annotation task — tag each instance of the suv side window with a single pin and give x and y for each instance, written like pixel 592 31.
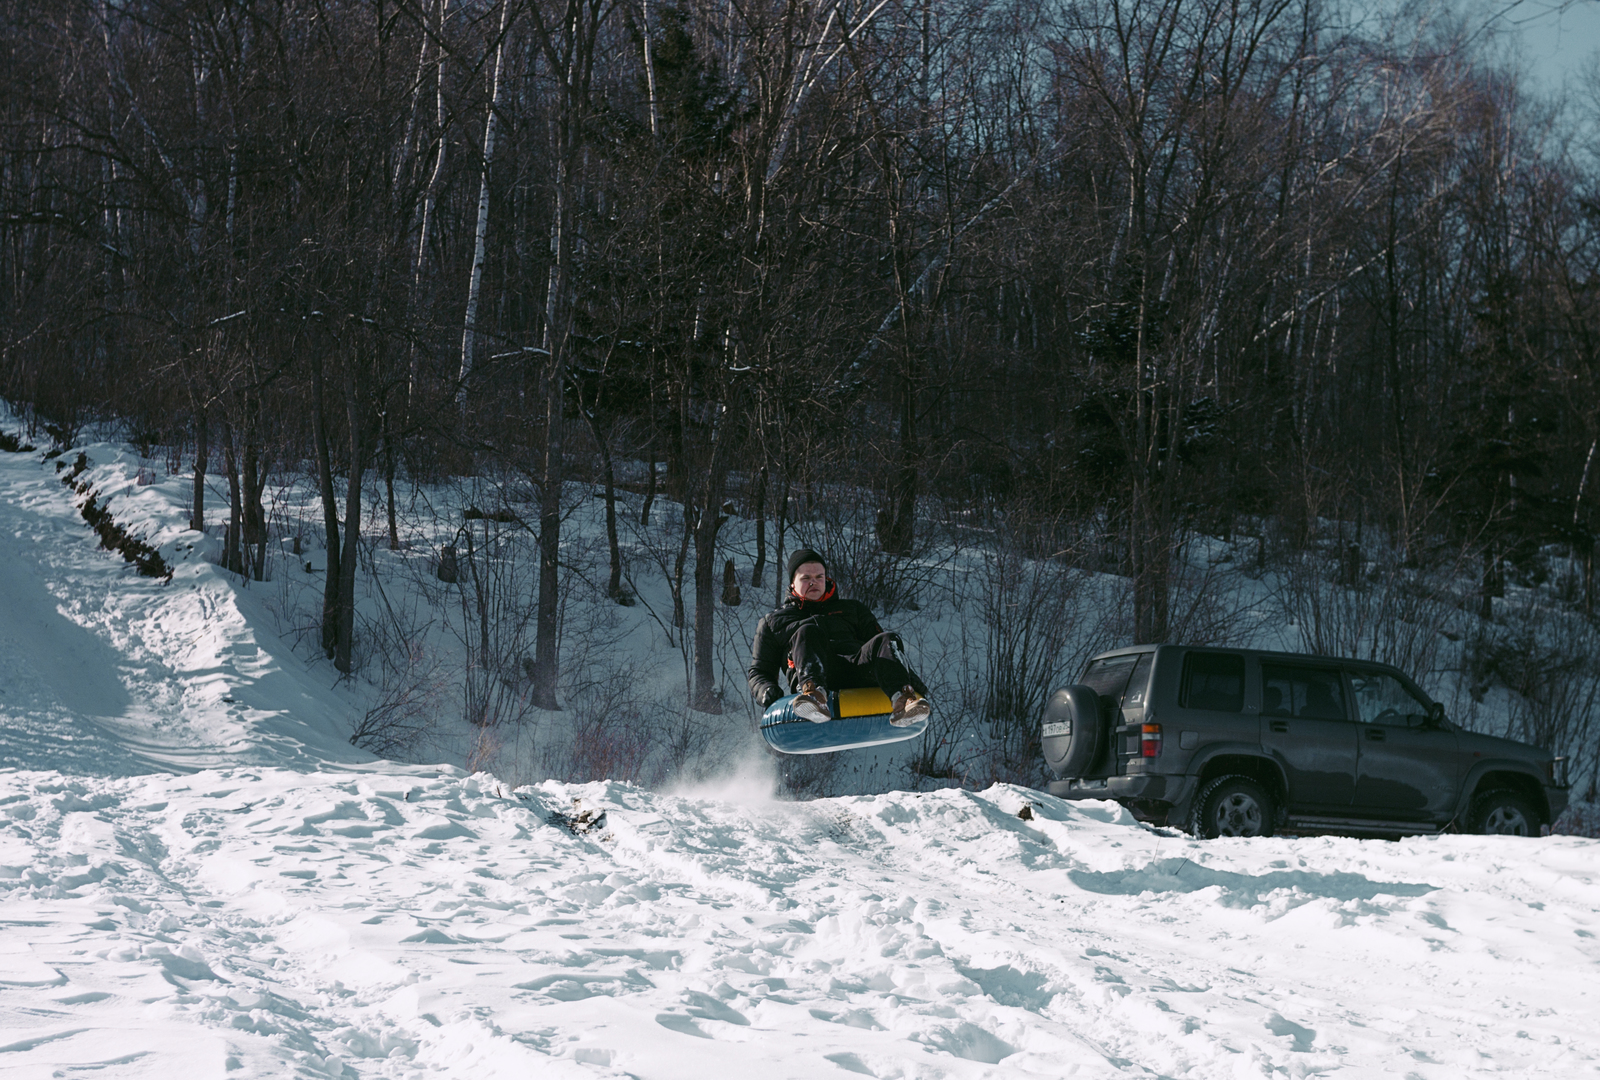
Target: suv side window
pixel 1213 681
pixel 1306 693
pixel 1383 699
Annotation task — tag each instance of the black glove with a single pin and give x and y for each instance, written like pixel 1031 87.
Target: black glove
pixel 769 697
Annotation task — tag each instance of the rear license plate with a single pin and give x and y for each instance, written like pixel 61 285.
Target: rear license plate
pixel 1057 727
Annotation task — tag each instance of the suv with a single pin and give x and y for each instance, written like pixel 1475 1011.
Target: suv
pixel 1239 742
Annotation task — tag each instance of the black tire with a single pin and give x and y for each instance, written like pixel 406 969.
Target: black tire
pixel 1073 754
pixel 1502 813
pixel 1232 806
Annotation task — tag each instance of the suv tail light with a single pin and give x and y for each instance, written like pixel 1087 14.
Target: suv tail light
pixel 1556 772
pixel 1149 740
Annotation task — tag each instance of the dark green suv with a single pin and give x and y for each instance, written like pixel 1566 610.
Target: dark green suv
pixel 1239 742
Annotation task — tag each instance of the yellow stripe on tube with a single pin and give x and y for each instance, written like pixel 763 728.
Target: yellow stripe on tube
pixel 863 701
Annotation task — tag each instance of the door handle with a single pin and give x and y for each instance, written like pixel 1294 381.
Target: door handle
pixel 1280 726
pixel 1376 734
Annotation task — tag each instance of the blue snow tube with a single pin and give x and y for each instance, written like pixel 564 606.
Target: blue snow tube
pixel 860 718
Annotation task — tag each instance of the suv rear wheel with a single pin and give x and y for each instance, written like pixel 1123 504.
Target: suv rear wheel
pixel 1232 806
pixel 1503 813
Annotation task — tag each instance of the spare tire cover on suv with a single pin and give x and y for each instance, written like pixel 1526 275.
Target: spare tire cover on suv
pixel 1072 730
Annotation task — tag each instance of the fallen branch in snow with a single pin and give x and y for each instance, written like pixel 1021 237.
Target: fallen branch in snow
pixel 580 822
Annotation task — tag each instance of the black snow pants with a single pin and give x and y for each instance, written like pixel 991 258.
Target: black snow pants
pixel 876 663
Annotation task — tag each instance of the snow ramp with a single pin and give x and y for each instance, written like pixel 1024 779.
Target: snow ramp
pixel 274 923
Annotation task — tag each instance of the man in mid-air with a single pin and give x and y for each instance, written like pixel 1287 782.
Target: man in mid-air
pixel 829 643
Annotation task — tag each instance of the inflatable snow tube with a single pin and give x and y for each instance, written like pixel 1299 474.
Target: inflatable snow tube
pixel 860 718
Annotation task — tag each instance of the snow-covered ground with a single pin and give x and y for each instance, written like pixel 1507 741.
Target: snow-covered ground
pixel 201 878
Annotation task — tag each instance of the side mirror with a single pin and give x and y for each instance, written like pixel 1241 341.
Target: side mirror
pixel 1436 715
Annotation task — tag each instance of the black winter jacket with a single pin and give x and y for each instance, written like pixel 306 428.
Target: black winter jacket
pixel 849 624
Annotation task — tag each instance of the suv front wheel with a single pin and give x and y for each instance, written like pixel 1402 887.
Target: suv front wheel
pixel 1232 806
pixel 1503 813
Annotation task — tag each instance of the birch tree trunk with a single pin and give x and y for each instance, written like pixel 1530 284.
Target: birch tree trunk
pixel 650 70
pixel 491 129
pixel 430 198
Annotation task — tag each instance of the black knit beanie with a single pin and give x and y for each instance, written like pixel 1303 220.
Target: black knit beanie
pixel 802 556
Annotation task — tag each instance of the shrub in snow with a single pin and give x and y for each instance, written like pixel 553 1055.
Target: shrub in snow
pixel 1580 819
pixel 114 537
pixel 13 445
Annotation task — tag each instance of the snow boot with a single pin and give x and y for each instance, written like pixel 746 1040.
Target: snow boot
pixel 811 703
pixel 907 707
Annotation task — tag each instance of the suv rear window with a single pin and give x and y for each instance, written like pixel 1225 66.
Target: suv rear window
pixel 1109 676
pixel 1213 681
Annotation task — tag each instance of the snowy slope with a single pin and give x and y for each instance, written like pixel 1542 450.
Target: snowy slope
pixel 103 671
pixel 195 886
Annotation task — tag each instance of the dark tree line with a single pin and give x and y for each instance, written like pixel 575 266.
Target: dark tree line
pixel 1119 272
